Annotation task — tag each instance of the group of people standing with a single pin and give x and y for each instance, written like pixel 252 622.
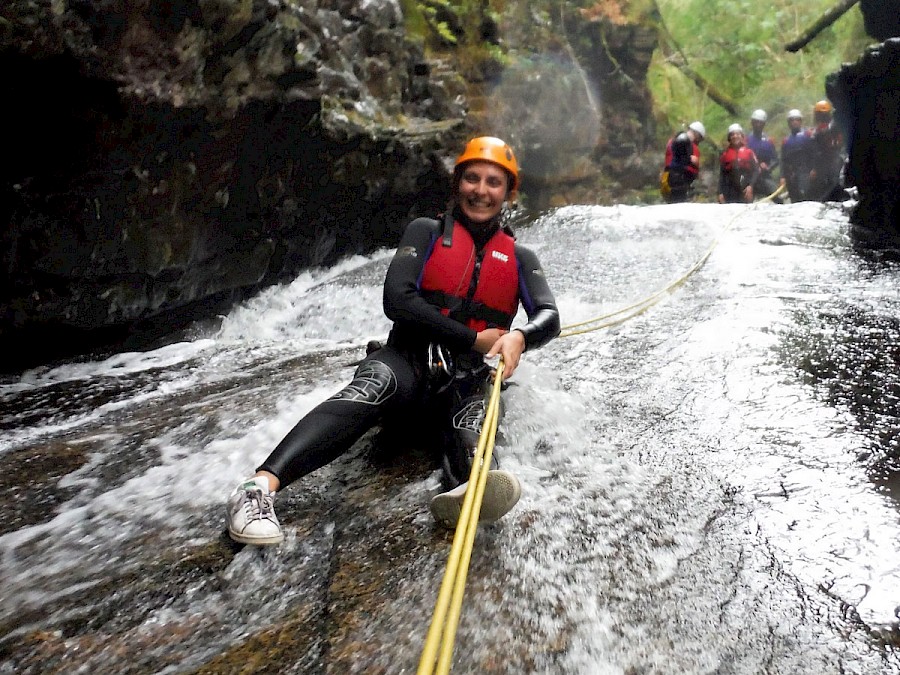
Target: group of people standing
pixel 811 160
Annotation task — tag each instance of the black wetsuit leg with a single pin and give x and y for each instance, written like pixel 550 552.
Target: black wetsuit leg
pixel 680 185
pixel 466 405
pixel 384 381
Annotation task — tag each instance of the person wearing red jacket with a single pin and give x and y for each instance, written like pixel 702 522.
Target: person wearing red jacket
pixel 452 291
pixel 738 169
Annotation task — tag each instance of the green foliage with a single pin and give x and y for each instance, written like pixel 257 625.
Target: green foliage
pixel 739 46
pixel 456 26
pixel 414 19
pixel 438 26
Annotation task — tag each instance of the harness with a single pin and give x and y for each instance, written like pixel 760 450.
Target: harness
pixel 477 287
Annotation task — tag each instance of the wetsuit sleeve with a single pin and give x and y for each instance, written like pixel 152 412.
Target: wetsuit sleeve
pixel 404 305
pixel 537 299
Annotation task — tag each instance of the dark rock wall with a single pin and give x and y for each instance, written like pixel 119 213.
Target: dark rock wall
pixel 166 157
pixel 866 95
pixel 867 100
pixel 618 61
pixel 881 18
pixel 576 106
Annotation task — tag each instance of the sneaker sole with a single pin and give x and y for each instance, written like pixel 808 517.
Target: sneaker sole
pixel 502 491
pixel 255 541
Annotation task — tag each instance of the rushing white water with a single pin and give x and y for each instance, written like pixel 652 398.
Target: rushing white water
pixel 693 502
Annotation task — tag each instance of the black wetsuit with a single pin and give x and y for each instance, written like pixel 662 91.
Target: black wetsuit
pixel 682 172
pixel 397 382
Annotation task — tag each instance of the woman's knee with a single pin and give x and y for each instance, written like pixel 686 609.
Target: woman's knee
pixel 373 383
pixel 393 370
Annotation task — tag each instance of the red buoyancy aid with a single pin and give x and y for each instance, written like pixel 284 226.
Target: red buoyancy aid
pixel 740 160
pixel 477 288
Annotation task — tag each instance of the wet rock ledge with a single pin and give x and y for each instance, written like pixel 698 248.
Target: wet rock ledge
pixel 163 158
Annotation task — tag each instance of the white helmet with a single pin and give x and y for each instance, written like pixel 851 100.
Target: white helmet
pixel 794 114
pixel 735 128
pixel 759 115
pixel 698 128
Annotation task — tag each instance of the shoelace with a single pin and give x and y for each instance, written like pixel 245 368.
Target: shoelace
pixel 260 505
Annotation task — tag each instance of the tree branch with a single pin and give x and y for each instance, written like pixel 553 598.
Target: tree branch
pixel 670 47
pixel 824 22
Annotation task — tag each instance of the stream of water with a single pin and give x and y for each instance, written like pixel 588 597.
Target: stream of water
pixel 710 487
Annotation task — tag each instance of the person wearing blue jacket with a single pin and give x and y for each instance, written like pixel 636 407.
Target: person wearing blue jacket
pixel 796 158
pixel 766 154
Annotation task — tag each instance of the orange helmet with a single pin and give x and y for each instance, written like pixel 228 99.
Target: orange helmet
pixel 822 106
pixel 490 149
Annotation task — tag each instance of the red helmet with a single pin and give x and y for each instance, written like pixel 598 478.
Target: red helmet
pixel 822 106
pixel 491 149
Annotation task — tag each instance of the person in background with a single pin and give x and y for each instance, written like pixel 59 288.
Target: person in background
pixel 796 158
pixel 765 152
pixel 738 169
pixel 682 163
pixel 827 156
pixel 451 290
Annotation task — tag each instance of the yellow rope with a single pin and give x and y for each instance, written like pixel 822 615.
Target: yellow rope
pixel 442 632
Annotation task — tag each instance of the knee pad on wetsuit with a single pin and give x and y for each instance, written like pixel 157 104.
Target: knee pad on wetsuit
pixel 373 383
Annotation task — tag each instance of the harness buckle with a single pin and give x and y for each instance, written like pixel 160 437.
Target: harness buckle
pixel 441 369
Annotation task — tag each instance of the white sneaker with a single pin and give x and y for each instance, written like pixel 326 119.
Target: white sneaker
pixel 501 492
pixel 251 513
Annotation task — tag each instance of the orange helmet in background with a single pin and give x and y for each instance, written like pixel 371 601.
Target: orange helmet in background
pixel 496 151
pixel 822 106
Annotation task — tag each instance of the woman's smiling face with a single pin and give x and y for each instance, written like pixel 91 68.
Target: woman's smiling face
pixel 482 190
